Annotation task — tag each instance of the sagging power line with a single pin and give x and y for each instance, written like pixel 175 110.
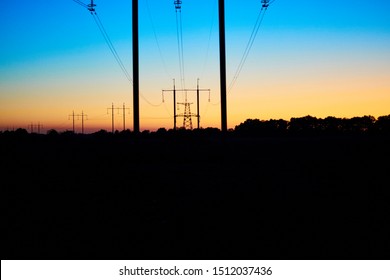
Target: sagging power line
pixel 156 38
pixel 135 80
pixel 91 8
pixel 264 6
pixel 180 44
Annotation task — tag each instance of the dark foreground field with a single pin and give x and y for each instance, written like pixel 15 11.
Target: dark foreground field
pixel 187 197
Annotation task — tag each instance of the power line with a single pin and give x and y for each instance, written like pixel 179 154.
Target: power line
pixel 180 44
pixel 182 49
pixel 81 3
pixel 156 38
pixel 255 30
pixel 91 8
pixel 209 40
pixel 179 50
pixel 110 45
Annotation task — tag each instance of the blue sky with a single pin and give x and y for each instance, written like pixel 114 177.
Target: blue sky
pixel 53 56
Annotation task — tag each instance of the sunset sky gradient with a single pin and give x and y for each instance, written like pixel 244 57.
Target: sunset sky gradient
pixel 319 58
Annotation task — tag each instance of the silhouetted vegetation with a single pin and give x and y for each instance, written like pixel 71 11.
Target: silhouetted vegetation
pixel 262 128
pixel 309 125
pixel 303 126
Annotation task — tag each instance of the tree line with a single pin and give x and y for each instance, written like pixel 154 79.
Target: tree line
pixel 303 126
pixel 309 125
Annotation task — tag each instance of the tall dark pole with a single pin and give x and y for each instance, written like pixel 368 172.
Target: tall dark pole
pixel 73 122
pixel 124 117
pixel 135 67
pixel 222 54
pixel 174 104
pixel 197 103
pixel 82 122
pixel 112 118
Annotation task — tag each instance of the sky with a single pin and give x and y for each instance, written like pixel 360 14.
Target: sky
pixel 318 58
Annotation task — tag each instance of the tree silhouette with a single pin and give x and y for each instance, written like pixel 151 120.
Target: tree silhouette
pixel 52 132
pixel 359 124
pixel 21 132
pixel 307 125
pixel 382 125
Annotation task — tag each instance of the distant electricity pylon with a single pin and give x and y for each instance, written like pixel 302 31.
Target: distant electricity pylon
pixel 78 116
pixel 124 109
pixel 187 116
pixel 37 126
pixel 187 122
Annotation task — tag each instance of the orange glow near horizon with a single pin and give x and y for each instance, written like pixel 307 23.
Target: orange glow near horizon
pixel 319 90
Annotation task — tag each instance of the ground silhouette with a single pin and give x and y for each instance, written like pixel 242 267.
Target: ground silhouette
pixel 304 189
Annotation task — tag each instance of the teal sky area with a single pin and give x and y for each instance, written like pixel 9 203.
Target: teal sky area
pixel 309 57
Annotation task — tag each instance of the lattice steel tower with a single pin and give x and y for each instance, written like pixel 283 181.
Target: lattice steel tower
pixel 187 115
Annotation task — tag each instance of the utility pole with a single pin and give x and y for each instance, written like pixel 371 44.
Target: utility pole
pixel 112 116
pixel 38 126
pixel 135 67
pixel 174 105
pixel 31 128
pixel 124 116
pixel 82 121
pixel 222 56
pixel 82 115
pixel 174 102
pixel 73 115
pixel 197 103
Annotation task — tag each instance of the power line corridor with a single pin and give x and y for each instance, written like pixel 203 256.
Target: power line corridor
pixel 181 61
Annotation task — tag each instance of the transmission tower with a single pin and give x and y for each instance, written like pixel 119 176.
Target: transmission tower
pixel 187 120
pixel 187 115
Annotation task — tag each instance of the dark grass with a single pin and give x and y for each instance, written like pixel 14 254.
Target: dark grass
pixel 195 197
